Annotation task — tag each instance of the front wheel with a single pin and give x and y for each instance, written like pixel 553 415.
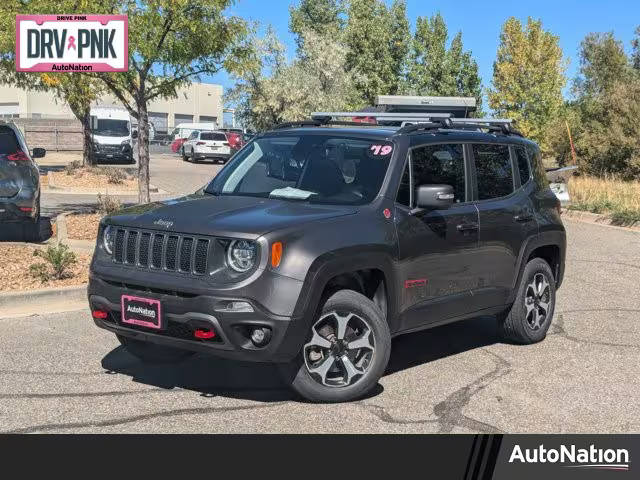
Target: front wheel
pixel 529 318
pixel 346 352
pixel 152 353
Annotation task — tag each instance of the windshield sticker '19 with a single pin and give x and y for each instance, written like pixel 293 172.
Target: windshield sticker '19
pixel 381 149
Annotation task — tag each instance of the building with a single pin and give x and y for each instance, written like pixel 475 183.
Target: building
pixel 197 102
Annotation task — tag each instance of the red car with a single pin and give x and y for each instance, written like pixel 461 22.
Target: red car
pixel 176 144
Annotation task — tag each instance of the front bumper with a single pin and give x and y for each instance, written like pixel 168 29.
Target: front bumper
pixel 185 312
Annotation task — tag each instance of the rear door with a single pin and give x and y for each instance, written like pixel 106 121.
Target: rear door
pixel 506 219
pixel 437 248
pixel 14 163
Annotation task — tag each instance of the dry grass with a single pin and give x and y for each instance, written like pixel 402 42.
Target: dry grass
pixel 16 260
pixel 618 199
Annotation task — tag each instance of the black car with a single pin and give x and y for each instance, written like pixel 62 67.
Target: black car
pixel 19 180
pixel 317 243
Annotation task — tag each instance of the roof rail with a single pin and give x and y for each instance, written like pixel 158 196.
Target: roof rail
pixel 325 117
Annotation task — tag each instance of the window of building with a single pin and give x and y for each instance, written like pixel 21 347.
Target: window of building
pixel 440 164
pixel 493 170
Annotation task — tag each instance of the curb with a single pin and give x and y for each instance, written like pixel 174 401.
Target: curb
pixel 36 301
pixel 596 219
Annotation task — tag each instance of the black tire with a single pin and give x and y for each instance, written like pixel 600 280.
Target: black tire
pixel 152 353
pixel 184 155
pixel 193 156
pixel 522 323
pixel 310 386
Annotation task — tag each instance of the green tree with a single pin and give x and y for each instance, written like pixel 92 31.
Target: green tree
pixel 528 77
pixel 170 43
pixel 369 59
pixel 603 62
pixel 322 17
pixel 273 91
pixel 438 69
pixel 399 44
pixel 635 43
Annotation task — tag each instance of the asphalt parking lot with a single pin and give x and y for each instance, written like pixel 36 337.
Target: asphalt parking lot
pixel 59 373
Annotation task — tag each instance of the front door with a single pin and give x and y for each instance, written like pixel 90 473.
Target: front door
pixel 437 248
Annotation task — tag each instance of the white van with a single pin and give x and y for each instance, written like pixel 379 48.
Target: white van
pixel 112 135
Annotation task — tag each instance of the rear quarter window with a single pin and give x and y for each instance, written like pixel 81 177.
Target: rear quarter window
pixel 8 141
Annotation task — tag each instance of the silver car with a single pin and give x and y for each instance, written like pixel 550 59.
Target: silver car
pixel 19 177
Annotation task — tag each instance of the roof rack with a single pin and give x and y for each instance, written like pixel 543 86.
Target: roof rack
pixel 384 116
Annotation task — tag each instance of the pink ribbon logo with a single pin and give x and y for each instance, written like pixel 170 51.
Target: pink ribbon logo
pixel 72 43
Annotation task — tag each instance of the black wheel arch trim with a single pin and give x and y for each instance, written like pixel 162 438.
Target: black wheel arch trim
pixel 344 261
pixel 550 238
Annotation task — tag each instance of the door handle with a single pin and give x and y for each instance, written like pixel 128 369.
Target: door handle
pixel 466 227
pixel 523 217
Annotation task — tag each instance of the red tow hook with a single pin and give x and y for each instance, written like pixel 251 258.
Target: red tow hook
pixel 204 334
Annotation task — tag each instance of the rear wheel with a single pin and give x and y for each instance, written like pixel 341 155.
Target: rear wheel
pixel 152 353
pixel 346 352
pixel 529 318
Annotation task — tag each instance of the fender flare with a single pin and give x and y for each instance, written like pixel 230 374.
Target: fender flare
pixel 331 264
pixel 555 238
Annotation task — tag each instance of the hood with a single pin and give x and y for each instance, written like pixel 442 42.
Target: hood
pixel 107 140
pixel 225 216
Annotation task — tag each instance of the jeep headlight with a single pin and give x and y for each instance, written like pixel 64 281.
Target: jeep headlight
pixel 108 237
pixel 241 255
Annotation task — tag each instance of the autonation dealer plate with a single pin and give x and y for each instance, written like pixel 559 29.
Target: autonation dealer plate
pixel 144 312
pixel 72 43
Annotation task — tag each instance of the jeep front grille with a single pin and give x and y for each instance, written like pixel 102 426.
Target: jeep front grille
pixel 161 251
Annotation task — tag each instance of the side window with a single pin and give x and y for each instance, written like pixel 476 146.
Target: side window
pixel 539 173
pixel 523 165
pixel 493 170
pixel 404 191
pixel 440 164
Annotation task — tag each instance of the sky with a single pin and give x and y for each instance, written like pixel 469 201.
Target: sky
pixel 480 23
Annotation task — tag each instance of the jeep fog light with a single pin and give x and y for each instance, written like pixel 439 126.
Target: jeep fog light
pixel 260 336
pixel 108 237
pixel 241 255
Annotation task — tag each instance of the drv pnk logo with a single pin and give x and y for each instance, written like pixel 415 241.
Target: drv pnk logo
pixel 72 43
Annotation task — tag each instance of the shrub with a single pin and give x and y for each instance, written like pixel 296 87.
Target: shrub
pixel 108 205
pixel 115 176
pixel 58 259
pixel 73 167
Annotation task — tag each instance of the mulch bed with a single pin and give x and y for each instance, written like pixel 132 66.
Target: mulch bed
pixel 16 260
pixel 83 226
pixel 92 178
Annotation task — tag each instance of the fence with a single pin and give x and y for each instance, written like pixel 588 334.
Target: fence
pixel 52 134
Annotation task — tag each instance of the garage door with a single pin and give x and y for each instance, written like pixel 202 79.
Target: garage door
pixel 159 121
pixel 181 118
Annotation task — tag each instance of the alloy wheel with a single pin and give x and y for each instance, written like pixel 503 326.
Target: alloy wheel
pixel 341 349
pixel 537 301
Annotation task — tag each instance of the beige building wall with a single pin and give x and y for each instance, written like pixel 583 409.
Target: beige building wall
pixel 195 102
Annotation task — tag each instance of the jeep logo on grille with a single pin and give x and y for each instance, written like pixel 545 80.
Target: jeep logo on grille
pixel 163 223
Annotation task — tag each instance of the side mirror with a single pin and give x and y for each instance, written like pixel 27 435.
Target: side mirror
pixel 134 134
pixel 434 197
pixel 38 152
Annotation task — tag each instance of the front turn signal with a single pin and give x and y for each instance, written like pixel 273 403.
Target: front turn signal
pixel 276 254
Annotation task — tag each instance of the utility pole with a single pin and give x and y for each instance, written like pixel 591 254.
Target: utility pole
pixel 573 150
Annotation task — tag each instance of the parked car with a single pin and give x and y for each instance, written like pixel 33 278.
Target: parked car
pixel 19 180
pixel 182 131
pixel 319 242
pixel 112 135
pixel 203 145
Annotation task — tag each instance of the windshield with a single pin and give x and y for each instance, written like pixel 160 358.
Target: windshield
pixel 314 168
pixel 112 128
